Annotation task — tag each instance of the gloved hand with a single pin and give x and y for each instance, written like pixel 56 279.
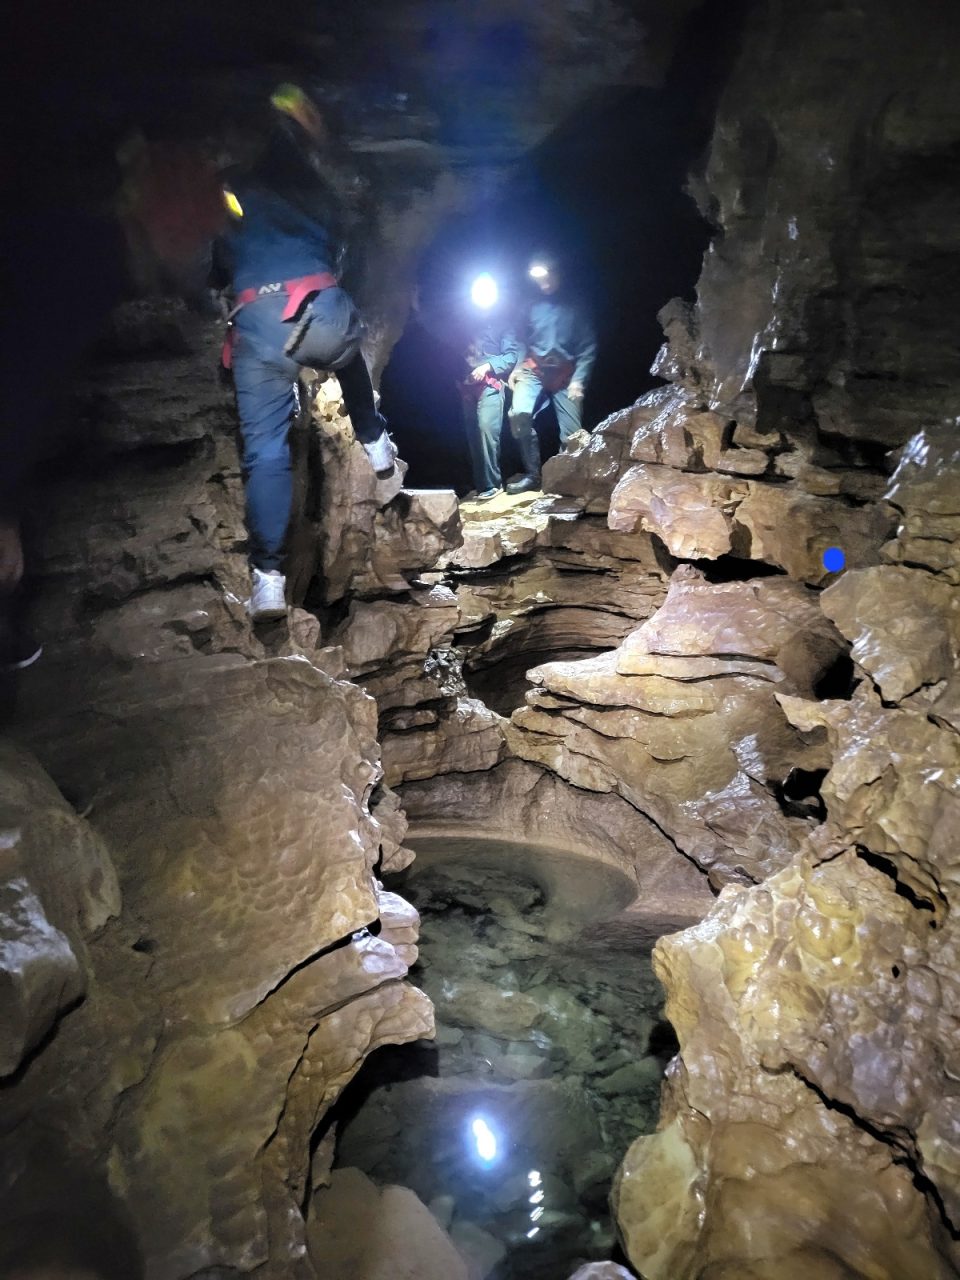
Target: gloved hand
pixel 11 555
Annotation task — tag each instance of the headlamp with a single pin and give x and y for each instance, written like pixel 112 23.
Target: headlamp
pixel 233 205
pixel 289 98
pixel 484 292
pixel 538 271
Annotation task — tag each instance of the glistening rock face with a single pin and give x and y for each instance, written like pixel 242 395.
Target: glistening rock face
pixel 818 976
pixel 232 785
pixel 682 720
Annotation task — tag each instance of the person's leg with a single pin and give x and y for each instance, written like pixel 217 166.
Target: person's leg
pixel 485 439
pixel 357 390
pixel 331 341
pixel 266 402
pixel 569 415
pixel 527 397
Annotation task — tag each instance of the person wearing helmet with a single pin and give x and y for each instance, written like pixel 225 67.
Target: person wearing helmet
pixel 490 358
pixel 289 312
pixel 560 350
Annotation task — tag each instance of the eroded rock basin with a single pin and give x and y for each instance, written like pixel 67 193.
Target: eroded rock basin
pixel 549 1053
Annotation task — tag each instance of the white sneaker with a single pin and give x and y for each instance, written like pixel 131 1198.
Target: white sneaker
pixel 268 599
pixel 382 453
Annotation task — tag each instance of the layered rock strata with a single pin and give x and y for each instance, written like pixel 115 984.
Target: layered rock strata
pixel 807 1123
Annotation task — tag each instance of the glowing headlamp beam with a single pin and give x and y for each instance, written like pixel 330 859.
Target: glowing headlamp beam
pixel 539 272
pixel 484 291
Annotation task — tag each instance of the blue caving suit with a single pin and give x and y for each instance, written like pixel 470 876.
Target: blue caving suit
pixel 560 347
pixel 275 241
pixel 483 402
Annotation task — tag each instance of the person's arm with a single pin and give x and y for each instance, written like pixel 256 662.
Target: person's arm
pixel 585 356
pixel 502 365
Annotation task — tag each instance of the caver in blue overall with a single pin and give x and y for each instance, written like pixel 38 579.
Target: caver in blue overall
pixel 560 348
pixel 483 402
pixel 274 250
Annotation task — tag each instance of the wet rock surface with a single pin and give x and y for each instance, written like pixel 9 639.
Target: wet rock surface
pixel 683 722
pixel 196 952
pixel 812 1008
pixel 201 932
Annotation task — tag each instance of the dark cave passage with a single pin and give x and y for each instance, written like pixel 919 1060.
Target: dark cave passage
pixel 607 192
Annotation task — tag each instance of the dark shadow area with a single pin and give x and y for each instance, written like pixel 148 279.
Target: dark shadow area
pixel 839 680
pixel 501 683
pixel 732 568
pixel 798 795
pixel 607 192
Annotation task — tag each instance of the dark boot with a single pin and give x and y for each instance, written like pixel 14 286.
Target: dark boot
pixel 522 430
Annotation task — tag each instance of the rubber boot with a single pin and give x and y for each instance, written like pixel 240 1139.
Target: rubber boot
pixel 522 430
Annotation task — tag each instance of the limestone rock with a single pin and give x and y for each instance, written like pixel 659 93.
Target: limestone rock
pixel 40 976
pixel 582 589
pixel 904 626
pixel 792 529
pixel 515 801
pixel 57 887
pixel 507 526
pixel 601 1271
pixel 380 633
pixel 768 622
pixel 234 798
pixel 683 436
pixel 894 786
pixel 358 1229
pixel 689 735
pixel 374 535
pixel 741 1115
pixel 590 470
pixel 924 492
pixel 691 513
pixel 467 736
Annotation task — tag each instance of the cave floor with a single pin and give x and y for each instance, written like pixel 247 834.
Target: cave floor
pixel 547 1062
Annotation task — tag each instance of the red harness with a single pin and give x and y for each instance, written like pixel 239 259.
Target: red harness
pixel 297 292
pixel 553 371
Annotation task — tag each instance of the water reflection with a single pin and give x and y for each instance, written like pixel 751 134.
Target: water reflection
pixel 485 1140
pixel 511 1125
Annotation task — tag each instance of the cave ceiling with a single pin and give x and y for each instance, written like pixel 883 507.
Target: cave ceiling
pixel 482 83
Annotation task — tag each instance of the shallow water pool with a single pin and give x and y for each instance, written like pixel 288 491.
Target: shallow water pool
pixel 549 1054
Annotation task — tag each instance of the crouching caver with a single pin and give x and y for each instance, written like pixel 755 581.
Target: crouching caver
pixel 289 312
pixel 560 351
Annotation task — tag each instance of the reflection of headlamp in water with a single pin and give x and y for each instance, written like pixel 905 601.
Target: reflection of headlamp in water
pixel 484 292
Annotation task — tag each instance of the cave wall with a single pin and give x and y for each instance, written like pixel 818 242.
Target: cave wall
pixel 198 953
pixel 198 816
pixel 808 1121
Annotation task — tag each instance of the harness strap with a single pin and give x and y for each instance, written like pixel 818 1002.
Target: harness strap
pixel 297 292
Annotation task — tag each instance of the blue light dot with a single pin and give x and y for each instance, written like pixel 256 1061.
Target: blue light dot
pixel 833 559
